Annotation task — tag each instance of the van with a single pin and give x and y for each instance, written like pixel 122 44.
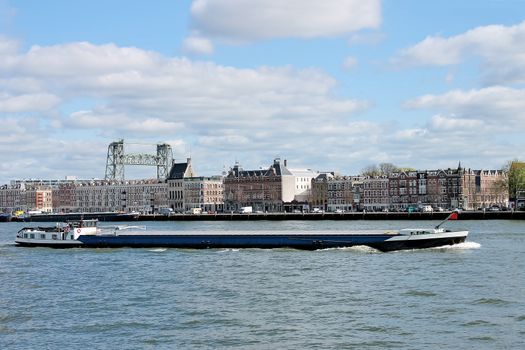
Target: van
pixel 246 210
pixel 196 211
pixel 166 211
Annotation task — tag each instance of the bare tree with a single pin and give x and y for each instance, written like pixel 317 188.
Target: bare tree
pixel 383 169
pixel 387 168
pixel 371 170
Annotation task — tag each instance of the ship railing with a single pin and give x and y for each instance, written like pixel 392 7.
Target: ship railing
pixel 113 230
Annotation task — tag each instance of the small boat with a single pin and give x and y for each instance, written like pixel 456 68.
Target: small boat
pixel 87 234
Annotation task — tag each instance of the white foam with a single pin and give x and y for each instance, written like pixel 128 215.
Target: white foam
pixel 356 248
pixel 158 250
pixel 460 246
pixel 228 250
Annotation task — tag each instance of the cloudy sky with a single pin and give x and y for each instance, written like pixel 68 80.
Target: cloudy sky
pixel 328 85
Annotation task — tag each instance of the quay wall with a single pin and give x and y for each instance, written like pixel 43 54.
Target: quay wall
pixel 465 215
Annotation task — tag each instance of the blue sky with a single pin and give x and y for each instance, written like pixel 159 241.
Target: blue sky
pixel 333 85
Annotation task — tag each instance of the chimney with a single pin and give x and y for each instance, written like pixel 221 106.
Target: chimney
pixel 285 163
pixel 188 160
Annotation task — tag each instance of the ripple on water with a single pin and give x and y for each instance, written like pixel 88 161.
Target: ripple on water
pixel 478 323
pixel 454 297
pixel 420 293
pixel 491 301
pixel 484 338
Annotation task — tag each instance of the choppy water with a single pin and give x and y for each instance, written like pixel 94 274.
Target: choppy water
pixel 470 296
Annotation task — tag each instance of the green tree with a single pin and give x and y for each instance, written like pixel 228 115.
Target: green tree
pixel 514 179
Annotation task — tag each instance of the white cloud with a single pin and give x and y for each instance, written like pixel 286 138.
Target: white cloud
pixel 111 92
pixel 440 122
pixel 198 45
pixel 500 48
pixel 7 45
pixel 409 134
pixel 27 102
pixel 241 20
pixel 496 105
pixel 223 113
pixel 349 62
pixel 80 58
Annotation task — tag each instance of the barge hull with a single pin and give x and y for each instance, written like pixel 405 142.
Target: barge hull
pixel 306 242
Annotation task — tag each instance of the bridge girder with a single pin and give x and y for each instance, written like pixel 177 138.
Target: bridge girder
pixel 117 159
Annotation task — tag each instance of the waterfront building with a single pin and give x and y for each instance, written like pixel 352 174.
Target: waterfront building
pixel 64 197
pixel 375 196
pixel 206 193
pixel 447 188
pixel 303 183
pixel 482 189
pixel 265 190
pixel 319 191
pixel 175 181
pixel 41 198
pixel 344 193
pixel 11 198
pixel 437 188
pixel 144 196
pixel 86 196
pixel 275 189
pixel 27 198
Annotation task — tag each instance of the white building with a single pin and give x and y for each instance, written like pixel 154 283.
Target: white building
pixel 303 183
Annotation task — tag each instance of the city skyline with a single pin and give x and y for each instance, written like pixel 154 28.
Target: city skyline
pixel 333 86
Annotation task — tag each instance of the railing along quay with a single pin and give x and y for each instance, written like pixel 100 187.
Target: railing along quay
pixel 465 215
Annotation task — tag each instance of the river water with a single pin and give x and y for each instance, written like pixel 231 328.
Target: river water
pixel 469 296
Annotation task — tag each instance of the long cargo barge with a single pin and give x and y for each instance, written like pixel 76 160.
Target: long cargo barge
pixel 86 234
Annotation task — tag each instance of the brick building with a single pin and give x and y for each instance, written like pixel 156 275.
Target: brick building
pixel 264 190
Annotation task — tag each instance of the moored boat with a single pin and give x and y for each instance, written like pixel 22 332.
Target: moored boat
pixel 86 233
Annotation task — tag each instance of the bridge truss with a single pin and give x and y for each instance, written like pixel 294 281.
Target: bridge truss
pixel 117 159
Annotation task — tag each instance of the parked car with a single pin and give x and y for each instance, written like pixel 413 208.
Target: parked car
pixel 427 209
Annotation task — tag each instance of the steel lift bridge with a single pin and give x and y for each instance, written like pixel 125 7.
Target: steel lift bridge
pixel 117 159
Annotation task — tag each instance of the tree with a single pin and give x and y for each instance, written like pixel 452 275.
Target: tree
pixel 370 170
pixel 406 169
pixel 387 168
pixel 514 180
pixel 383 169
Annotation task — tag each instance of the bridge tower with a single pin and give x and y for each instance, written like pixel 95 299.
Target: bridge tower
pixel 117 159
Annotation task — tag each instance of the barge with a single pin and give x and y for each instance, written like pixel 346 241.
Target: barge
pixel 87 234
